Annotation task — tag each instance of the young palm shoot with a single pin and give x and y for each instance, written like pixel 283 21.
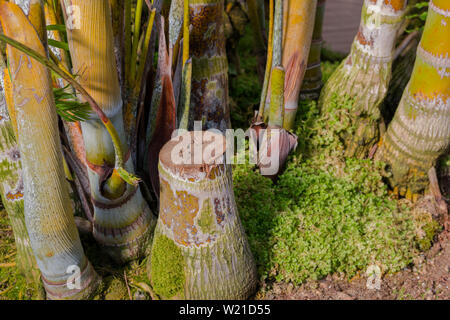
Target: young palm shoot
pixel 48 209
pixel 420 130
pixel 365 74
pixel 276 142
pixel 122 219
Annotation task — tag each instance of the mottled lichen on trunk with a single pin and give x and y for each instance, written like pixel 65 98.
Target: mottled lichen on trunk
pixel 365 74
pixel 199 216
pixel 209 95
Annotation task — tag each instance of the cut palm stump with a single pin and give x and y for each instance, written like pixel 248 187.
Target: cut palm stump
pixel 365 74
pixel 200 250
pixel 420 131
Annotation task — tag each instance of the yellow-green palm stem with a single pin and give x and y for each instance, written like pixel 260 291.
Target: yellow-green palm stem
pixel 268 71
pixel 199 240
pixel 136 36
pixel 48 210
pixel 148 34
pixel 128 42
pixel 209 95
pixel 277 50
pixel 277 41
pixel 11 187
pixel 312 82
pixel 276 115
pixel 365 74
pixel 185 100
pixel 185 32
pixel 134 88
pixel 420 132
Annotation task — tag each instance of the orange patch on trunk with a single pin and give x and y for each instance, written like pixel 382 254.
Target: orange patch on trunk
pixel 395 4
pixel 363 40
pixel 178 211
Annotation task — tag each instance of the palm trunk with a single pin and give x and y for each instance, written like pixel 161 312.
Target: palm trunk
pixel 48 209
pixel 122 219
pixel 209 97
pixel 11 186
pixel 297 34
pixel 312 83
pixel 365 74
pixel 200 250
pixel 420 130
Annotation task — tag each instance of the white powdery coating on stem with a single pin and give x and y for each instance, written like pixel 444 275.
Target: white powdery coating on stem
pixel 441 62
pixel 421 128
pixel 380 35
pixel 445 13
pixel 24 5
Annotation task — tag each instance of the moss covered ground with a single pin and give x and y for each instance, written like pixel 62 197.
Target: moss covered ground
pixel 326 214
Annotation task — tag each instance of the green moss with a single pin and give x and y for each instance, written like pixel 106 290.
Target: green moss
pixel 327 213
pixel 13 285
pixel 206 219
pixel 115 289
pixel 426 230
pixel 167 268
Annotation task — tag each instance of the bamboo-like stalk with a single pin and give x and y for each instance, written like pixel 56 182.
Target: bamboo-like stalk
pixel 276 115
pixel 48 209
pixel 268 70
pixel 420 130
pixel 186 78
pixel 365 74
pixel 275 50
pixel 130 111
pixel 299 26
pixel 312 82
pixel 122 219
pixel 11 183
pixel 200 250
pixel 186 23
pixel 209 95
